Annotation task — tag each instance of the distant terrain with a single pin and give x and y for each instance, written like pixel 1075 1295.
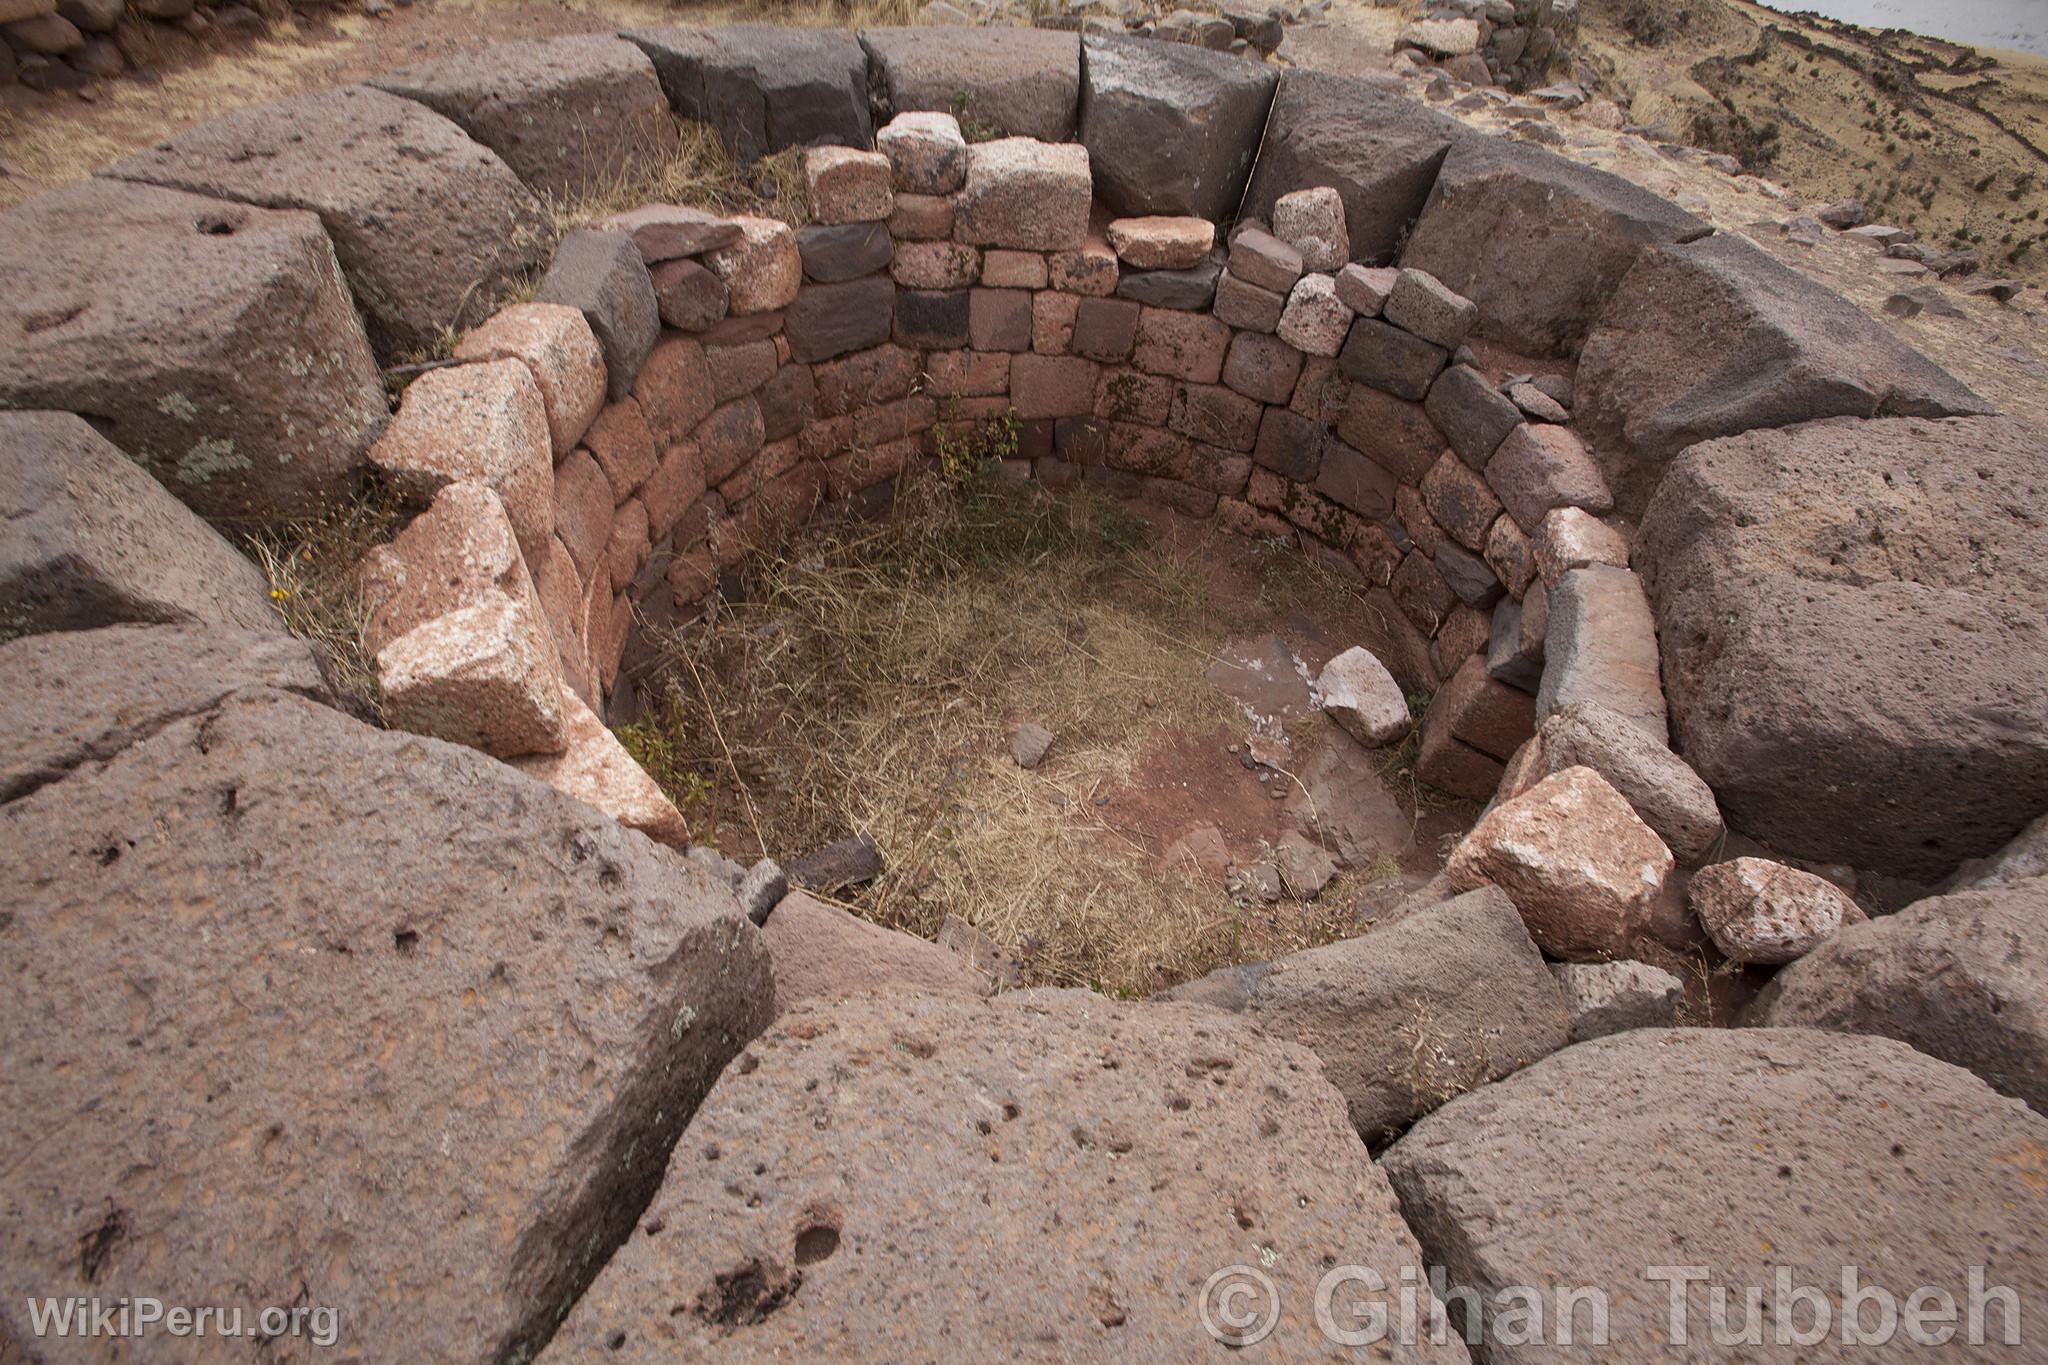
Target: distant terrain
pixel 1949 140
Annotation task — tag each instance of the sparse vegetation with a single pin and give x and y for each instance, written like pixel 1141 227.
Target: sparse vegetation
pixel 867 681
pixel 310 565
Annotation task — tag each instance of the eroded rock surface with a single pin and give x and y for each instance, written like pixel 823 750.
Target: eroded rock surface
pixel 1112 1155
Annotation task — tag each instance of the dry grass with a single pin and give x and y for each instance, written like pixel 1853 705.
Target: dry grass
pixel 701 174
pixel 871 680
pixel 310 565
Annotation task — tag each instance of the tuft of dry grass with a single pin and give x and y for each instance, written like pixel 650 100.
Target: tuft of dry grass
pixel 870 677
pixel 702 173
pixel 310 565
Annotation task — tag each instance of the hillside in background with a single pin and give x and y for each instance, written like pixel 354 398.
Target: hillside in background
pixel 1949 140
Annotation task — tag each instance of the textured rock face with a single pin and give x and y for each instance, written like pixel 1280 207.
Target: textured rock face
pixel 1362 696
pixel 566 114
pixel 601 275
pixel 1112 1153
pixel 1380 150
pixel 765 87
pixel 1171 129
pixel 555 343
pixel 1715 337
pixel 1410 1015
pixel 429 225
pixel 1761 911
pixel 1604 998
pixel 1601 649
pixel 1855 628
pixel 1962 977
pixel 820 951
pixel 214 341
pixel 1575 860
pixel 468 1033
pixel 81 696
pixel 1537 241
pixel 1013 82
pixel 88 539
pixel 1742 1151
pixel 595 769
pixel 1024 194
pixel 1669 796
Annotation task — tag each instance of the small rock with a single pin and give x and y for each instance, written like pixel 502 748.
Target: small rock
pixel 848 186
pixel 1761 911
pixel 1202 848
pixel 2004 291
pixel 1162 242
pixel 1312 222
pixel 1361 695
pixel 762 889
pixel 1580 866
pixel 1613 997
pixel 1315 321
pixel 831 869
pixel 1260 881
pixel 927 153
pixel 1537 404
pixel 1305 869
pixel 1028 744
pixel 1364 289
pixel 1421 304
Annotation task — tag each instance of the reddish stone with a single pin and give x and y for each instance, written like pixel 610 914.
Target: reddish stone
pixel 1464 633
pixel 1052 386
pixel 737 370
pixel 1424 596
pixel 690 298
pixel 1460 500
pixel 787 401
pixel 1052 321
pixel 1105 329
pixel 583 510
pixel 1491 717
pixel 728 438
pixel 674 486
pixel 1221 472
pixel 879 376
pixel 1181 345
pixel 999 319
pixel 1416 520
pixel 893 421
pixel 1128 396
pixel 1395 433
pixel 1001 269
pixel 1356 482
pixel 626 549
pixel 968 374
pixel 921 218
pixel 1450 765
pixel 1176 496
pixel 1091 270
pixel 1262 367
pixel 618 440
pixel 674 390
pixel 1539 467
pixel 1290 444
pixel 1148 450
pixel 1511 555
pixel 1215 415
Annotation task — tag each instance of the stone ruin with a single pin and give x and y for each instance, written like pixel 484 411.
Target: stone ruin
pixel 443 1026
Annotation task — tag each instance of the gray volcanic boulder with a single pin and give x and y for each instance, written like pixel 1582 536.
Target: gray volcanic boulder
pixel 1748 1153
pixel 2026 856
pixel 1537 241
pixel 82 696
pixel 566 114
pixel 1715 337
pixel 302 1011
pixel 430 226
pixel 214 343
pixel 1961 977
pixel 1110 1158
pixel 1001 82
pixel 765 87
pixel 1418 1011
pixel 1379 149
pixel 1171 129
pixel 88 539
pixel 1853 619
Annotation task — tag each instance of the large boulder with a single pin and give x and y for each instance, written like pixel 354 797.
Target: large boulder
pixel 566 114
pixel 431 227
pixel 302 1011
pixel 1962 977
pixel 1715 337
pixel 1410 1015
pixel 88 539
pixel 1379 149
pixel 1854 626
pixel 77 697
pixel 1761 1163
pixel 763 86
pixel 1537 241
pixel 213 342
pixel 1171 129
pixel 1000 82
pixel 1116 1160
